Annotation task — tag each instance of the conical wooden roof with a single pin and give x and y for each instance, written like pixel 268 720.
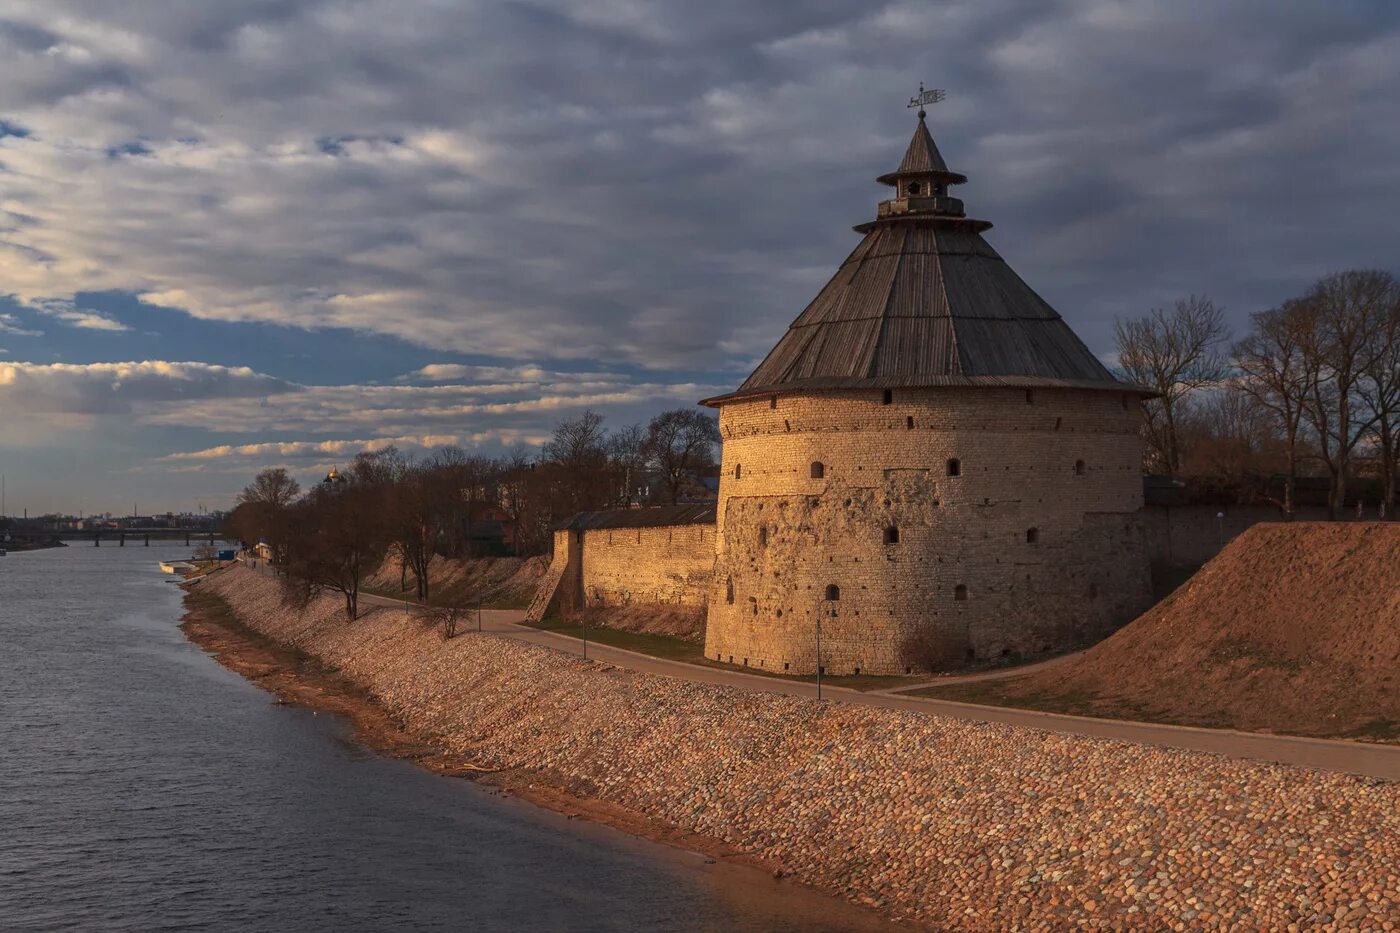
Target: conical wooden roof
pixel 922 157
pixel 924 301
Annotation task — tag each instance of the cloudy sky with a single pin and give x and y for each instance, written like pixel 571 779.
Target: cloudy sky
pixel 260 232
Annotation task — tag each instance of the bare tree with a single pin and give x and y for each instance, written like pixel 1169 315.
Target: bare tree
pixel 628 452
pixel 445 617
pixel 262 510
pixel 1273 373
pixel 1342 316
pixel 1174 353
pixel 578 443
pixel 411 518
pixel 1379 389
pixel 579 449
pixel 337 534
pixel 681 443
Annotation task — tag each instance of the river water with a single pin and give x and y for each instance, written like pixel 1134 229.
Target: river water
pixel 144 787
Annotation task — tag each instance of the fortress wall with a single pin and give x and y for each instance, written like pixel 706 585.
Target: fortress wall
pixel 669 564
pixel 1019 553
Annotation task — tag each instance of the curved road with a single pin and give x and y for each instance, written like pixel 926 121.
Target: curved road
pixel 1362 758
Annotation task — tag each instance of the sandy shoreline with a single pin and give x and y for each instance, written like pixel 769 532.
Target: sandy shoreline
pixel 295 678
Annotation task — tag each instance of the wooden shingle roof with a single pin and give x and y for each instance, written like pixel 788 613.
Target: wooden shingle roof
pixel 924 301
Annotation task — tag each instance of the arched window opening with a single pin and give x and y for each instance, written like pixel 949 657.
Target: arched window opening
pixel 818 470
pixel 833 592
pixel 1079 468
pixel 1032 535
pixel 738 470
pixel 909 422
pixel 892 535
pixel 955 467
pixel 960 593
pixel 763 536
pixel 914 189
pixel 888 397
pixel 729 590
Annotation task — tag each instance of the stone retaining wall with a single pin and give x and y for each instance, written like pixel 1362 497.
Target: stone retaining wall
pixel 955 824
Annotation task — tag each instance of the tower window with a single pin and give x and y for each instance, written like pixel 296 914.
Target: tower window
pixel 888 397
pixel 892 535
pixel 763 536
pixel 729 590
pixel 1032 535
pixel 909 422
pixel 772 401
pixel 960 593
pixel 738 470
pixel 818 470
pixel 955 467
pixel 833 592
pixel 1030 396
pixel 1079 468
pixel 914 188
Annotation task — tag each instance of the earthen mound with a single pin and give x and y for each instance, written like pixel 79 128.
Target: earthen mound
pixel 502 582
pixel 1292 628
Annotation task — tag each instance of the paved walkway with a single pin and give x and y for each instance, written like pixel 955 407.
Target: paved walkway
pixel 1381 761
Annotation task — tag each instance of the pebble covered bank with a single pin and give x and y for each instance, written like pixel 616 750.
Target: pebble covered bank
pixel 953 824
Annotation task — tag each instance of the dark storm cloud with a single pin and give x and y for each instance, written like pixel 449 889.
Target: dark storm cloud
pixel 666 185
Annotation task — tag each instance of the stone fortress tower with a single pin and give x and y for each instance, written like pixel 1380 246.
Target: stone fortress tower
pixel 929 458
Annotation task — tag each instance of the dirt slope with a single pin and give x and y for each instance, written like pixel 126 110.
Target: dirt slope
pixel 1292 628
pixel 500 582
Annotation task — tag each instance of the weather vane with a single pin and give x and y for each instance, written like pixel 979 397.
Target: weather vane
pixel 927 97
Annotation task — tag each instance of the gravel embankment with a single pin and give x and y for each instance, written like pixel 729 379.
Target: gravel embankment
pixel 956 824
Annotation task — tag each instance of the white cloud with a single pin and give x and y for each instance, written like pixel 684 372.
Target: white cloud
pixel 69 313
pixel 9 324
pixel 108 388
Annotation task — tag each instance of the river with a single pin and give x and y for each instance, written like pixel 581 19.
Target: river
pixel 145 787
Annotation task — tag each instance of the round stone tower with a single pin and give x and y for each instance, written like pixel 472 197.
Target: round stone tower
pixel 929 468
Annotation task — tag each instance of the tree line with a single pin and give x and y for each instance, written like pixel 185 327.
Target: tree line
pixel 387 505
pixel 1312 388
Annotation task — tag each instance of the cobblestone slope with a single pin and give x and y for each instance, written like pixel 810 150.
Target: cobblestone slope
pixel 955 824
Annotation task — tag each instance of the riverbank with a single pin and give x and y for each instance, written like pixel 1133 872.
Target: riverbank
pixel 951 824
pixel 300 679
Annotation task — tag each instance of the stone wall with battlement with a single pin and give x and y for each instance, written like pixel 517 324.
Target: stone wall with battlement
pixel 950 524
pixel 666 565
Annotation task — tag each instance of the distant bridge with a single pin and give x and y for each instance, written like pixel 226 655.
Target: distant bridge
pixel 144 536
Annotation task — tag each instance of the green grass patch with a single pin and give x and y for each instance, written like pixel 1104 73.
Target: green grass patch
pixel 1376 730
pixel 1004 693
pixel 689 652
pixel 658 646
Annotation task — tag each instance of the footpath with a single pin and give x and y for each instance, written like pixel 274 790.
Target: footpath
pixel 1368 759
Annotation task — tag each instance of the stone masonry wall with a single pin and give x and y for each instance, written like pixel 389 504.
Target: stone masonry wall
pixel 1035 543
pixel 670 564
